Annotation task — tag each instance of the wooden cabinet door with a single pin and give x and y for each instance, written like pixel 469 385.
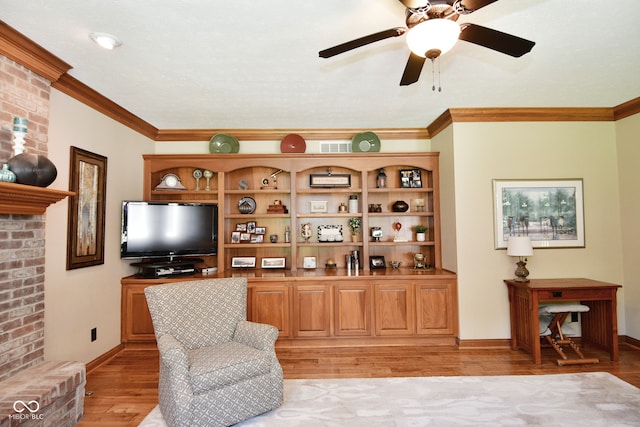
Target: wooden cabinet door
pixel 394 309
pixel 312 310
pixel 270 305
pixel 352 305
pixel 136 323
pixel 435 308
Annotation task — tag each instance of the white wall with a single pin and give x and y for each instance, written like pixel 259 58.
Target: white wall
pixel 81 299
pixel 628 134
pixel 487 151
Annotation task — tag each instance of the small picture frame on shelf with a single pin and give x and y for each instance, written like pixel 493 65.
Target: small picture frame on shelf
pixel 377 261
pixel 329 180
pixel 261 230
pixel 251 227
pixel 273 263
pixel 243 262
pixel 410 178
pixel 241 226
pixel 318 206
pixel 235 237
pixel 257 238
pixel 245 237
pixel 309 262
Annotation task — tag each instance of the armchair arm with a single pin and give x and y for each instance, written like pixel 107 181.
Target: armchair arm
pixel 256 335
pixel 173 353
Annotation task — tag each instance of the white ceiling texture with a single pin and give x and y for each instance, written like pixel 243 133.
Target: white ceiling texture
pixel 204 64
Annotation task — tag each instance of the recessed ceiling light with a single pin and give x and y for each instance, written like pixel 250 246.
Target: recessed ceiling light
pixel 105 40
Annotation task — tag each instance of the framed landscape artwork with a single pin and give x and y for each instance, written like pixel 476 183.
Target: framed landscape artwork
pixel 550 212
pixel 88 180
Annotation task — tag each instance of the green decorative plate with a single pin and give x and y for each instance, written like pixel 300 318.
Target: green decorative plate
pixel 365 142
pixel 223 143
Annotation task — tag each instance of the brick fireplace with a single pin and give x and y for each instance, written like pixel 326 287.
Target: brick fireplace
pixel 24 94
pixel 44 392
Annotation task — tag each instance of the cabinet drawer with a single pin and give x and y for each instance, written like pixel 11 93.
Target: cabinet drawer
pixel 576 294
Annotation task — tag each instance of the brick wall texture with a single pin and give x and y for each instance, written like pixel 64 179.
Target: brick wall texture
pixel 22 94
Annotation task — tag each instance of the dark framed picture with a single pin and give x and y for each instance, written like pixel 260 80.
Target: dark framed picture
pixel 235 237
pixel 251 227
pixel 376 261
pixel 261 230
pixel 241 226
pixel 245 237
pixel 257 238
pixel 88 180
pixel 243 262
pixel 410 178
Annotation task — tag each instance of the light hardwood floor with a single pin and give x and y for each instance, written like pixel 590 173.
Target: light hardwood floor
pixel 124 390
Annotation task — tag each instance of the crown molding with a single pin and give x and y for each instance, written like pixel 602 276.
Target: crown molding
pixel 20 49
pixel 627 109
pixel 493 115
pixel 83 93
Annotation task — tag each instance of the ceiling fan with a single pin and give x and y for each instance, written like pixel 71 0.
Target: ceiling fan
pixel 432 30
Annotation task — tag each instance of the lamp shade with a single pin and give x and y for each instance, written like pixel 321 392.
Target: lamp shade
pixel 519 246
pixel 433 37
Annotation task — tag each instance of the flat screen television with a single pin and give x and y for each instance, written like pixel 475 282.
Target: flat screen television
pixel 168 230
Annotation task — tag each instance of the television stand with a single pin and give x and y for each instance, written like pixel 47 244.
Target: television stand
pixel 167 268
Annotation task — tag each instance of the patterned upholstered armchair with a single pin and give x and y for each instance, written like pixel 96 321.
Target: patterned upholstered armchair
pixel 216 368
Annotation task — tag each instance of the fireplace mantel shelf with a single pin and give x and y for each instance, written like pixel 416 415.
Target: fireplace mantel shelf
pixel 28 199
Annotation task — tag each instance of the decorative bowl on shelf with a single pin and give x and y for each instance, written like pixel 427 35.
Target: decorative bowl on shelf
pixel 400 206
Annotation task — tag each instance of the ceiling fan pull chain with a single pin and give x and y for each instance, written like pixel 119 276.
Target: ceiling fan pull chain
pixel 435 62
pixel 439 86
pixel 433 75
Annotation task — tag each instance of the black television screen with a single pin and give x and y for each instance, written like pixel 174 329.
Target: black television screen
pixel 168 230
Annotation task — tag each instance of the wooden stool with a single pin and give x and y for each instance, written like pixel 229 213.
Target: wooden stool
pixel 553 334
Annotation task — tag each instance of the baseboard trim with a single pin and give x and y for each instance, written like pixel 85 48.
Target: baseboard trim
pixel 488 344
pixel 630 341
pixel 104 358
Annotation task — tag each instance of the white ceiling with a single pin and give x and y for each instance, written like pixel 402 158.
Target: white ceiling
pixel 214 64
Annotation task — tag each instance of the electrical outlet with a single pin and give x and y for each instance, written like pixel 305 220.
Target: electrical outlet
pixel 94 334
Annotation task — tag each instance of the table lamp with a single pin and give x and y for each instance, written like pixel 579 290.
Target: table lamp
pixel 520 246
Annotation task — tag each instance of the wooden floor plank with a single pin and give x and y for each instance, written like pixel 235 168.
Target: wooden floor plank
pixel 124 390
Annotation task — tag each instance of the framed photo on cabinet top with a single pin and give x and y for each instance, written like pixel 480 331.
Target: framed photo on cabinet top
pixel 273 262
pixel 377 261
pixel 549 211
pixel 243 262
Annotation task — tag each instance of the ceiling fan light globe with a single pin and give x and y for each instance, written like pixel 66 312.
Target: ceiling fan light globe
pixel 431 36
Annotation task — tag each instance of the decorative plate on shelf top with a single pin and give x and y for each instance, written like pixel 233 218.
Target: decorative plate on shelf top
pixel 223 143
pixel 365 142
pixel 293 143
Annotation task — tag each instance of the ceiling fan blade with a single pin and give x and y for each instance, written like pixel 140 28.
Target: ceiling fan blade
pixel 496 40
pixel 362 41
pixel 412 70
pixel 474 5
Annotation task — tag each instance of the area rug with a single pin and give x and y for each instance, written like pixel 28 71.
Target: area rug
pixel 585 399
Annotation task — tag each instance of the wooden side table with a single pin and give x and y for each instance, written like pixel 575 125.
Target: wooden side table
pixel 599 325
